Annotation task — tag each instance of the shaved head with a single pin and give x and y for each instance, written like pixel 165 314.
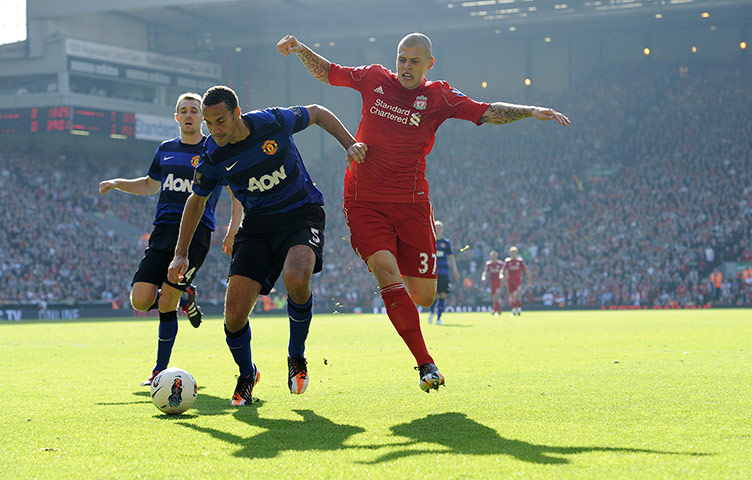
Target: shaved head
pixel 417 40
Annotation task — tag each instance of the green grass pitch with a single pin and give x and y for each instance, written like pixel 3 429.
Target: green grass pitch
pixel 602 395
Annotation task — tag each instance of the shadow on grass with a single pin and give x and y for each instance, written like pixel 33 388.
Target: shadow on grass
pixel 452 433
pixel 458 434
pixel 311 433
pixel 206 405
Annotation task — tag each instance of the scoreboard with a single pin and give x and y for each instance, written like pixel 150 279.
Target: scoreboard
pixel 67 119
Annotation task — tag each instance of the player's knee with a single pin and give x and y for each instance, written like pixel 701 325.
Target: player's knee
pixel 386 276
pixel 423 298
pixel 296 281
pixel 141 304
pixel 235 318
pixel 168 302
pixel 143 296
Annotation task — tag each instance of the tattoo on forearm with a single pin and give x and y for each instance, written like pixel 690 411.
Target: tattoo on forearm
pixel 318 67
pixel 500 113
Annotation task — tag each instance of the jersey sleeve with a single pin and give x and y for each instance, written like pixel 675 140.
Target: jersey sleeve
pixel 155 169
pixel 203 183
pixel 353 77
pixel 295 118
pixel 461 106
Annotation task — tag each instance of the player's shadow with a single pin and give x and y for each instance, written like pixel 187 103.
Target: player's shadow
pixel 457 434
pixel 206 405
pixel 311 433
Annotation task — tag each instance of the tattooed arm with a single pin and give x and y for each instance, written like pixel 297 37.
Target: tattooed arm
pixel 317 65
pixel 500 113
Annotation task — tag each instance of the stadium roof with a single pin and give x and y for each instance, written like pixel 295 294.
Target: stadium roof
pixel 228 24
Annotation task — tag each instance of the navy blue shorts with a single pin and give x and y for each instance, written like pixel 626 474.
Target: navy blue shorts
pixel 157 258
pixel 442 283
pixel 262 243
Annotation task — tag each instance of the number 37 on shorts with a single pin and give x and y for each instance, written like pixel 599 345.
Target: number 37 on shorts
pixel 426 260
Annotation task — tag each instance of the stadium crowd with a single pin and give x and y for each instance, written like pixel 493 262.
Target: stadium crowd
pixel 53 248
pixel 638 202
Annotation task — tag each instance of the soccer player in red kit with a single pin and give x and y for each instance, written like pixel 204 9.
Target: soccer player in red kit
pixel 514 265
pixel 386 200
pixel 492 271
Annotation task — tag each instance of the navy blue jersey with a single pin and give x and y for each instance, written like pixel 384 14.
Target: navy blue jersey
pixel 443 250
pixel 173 166
pixel 265 170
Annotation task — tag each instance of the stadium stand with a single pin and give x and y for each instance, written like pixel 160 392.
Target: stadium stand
pixel 636 203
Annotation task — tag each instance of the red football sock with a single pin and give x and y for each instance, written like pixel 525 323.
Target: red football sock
pixel 496 306
pixel 404 316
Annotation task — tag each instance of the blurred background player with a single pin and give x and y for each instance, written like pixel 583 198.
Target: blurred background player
pixel 283 222
pixel 171 174
pixel 444 261
pixel 514 265
pixel 386 200
pixel 493 271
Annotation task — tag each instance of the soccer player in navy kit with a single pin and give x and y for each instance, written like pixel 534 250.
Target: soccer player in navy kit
pixel 171 174
pixel 444 261
pixel 283 225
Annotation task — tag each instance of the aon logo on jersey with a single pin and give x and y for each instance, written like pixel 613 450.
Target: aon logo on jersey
pixel 267 182
pixel 177 184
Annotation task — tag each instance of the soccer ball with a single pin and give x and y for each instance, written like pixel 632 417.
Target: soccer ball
pixel 173 391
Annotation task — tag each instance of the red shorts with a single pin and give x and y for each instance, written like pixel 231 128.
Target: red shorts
pixel 513 287
pixel 495 287
pixel 404 229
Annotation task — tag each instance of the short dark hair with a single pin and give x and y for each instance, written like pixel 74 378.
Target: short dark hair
pixel 187 96
pixel 218 94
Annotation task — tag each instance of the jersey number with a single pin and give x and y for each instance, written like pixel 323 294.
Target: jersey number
pixel 424 263
pixel 315 240
pixel 187 276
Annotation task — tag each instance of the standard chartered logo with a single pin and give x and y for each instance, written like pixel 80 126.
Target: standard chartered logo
pixel 268 181
pixel 394 113
pixel 177 184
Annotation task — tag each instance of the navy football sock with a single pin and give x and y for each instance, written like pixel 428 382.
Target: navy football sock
pixel 300 322
pixel 168 330
pixel 440 308
pixel 240 347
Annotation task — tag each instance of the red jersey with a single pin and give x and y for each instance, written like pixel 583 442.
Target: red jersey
pixel 492 270
pixel 399 127
pixel 513 268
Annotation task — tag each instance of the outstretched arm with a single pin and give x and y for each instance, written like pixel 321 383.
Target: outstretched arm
pixel 324 118
pixel 500 113
pixel 137 186
pixel 317 65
